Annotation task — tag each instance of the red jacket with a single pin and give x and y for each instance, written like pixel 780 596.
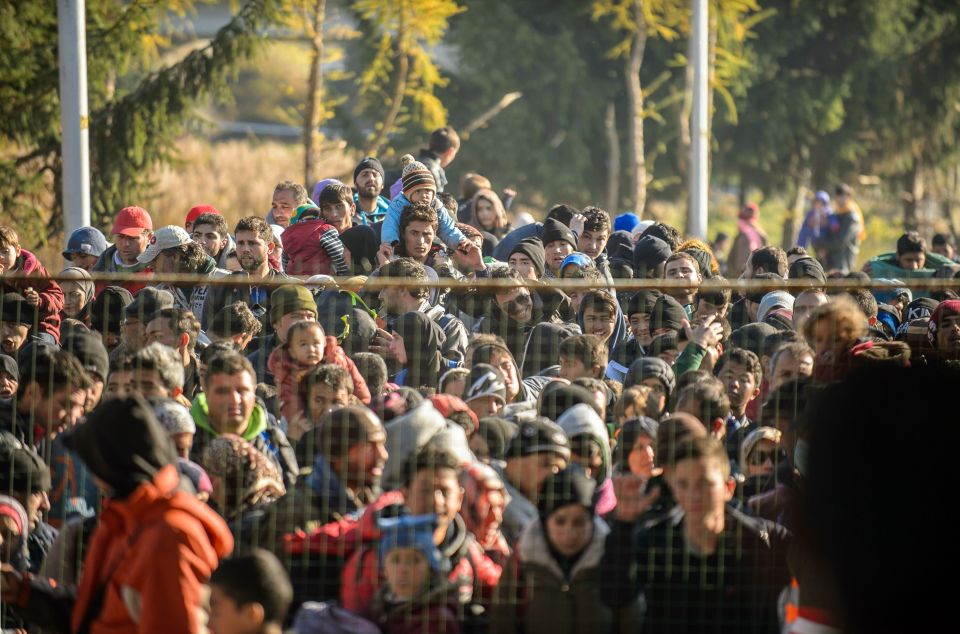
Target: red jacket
pixel 287 374
pixel 301 246
pixel 51 297
pixel 154 550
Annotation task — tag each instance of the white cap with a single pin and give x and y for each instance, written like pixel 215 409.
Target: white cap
pixel 163 238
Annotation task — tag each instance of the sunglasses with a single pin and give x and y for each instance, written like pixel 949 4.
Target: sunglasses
pixel 760 457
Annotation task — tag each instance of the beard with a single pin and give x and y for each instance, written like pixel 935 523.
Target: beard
pixel 250 262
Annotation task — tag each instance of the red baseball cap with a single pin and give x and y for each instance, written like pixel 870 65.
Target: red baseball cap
pixel 131 221
pixel 198 210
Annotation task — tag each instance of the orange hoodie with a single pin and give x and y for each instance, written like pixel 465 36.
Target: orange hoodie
pixel 153 552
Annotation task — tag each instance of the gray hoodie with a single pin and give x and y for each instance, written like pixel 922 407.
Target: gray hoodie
pixel 583 419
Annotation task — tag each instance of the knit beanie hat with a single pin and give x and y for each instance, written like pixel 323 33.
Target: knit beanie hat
pixel 485 380
pixel 752 337
pixel 646 367
pixel 9 365
pixel 919 308
pixel 287 299
pixel 756 296
pixel 539 435
pixel 570 486
pixel 947 308
pixel 9 507
pixel 108 309
pixel 806 269
pixel 641 302
pixel 174 417
pixel 650 252
pixel 16 310
pixel 411 531
pixel 497 432
pixel 368 163
pixel 772 300
pixel 554 230
pixel 533 249
pixel 88 348
pixel 23 470
pixel 626 222
pixel 415 176
pixel 667 313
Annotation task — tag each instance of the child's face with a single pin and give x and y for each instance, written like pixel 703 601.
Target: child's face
pixel 570 529
pixel 740 383
pixel 556 251
pixel 700 488
pixel 307 346
pixel 455 387
pixel 119 384
pixel 640 458
pixel 523 265
pixel 598 322
pixel 406 572
pixel 762 460
pixel 593 242
pixel 8 257
pixel 226 617
pixel 422 195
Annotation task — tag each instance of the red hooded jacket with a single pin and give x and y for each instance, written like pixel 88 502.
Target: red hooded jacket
pixel 51 297
pixel 287 374
pixel 301 246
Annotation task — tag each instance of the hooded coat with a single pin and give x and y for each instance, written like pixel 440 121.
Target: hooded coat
pixel 51 297
pixel 422 340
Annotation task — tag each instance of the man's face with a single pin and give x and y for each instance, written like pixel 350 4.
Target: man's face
pixel 508 368
pixel 129 247
pixel 207 237
pixel 762 459
pixel 556 251
pixel 159 330
pixel 418 238
pixel 806 302
pixel 706 309
pixel 946 250
pixel 149 384
pixel 8 385
pixel 599 322
pixel 486 405
pixel 366 459
pixel 700 488
pixel 61 411
pixel 230 401
pixel 536 468
pixel 283 205
pixel 682 269
pixel 133 333
pixel 340 215
pixel 657 391
pixel 390 300
pixel 252 250
pixel 948 335
pixel 517 304
pixel 640 327
pixel 369 183
pixel 435 491
pixel 593 242
pixel 167 261
pixel 741 385
pixel 324 398
pixel 35 504
pixel 226 617
pixel 911 261
pixel 523 265
pixel 12 336
pixel 789 368
pixel 290 319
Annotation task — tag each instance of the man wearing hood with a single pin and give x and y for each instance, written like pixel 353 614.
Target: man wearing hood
pixel 228 405
pixel 492 350
pixel 155 547
pixel 600 315
pixel 590 448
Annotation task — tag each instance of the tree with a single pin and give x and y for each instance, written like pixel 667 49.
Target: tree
pixel 133 127
pixel 405 31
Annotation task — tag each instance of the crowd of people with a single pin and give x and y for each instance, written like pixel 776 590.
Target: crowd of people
pixel 375 408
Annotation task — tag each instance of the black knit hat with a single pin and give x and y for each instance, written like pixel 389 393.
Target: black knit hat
pixel 650 252
pixel 641 302
pixel 703 259
pixel 533 249
pixel 647 367
pixel 752 337
pixel 667 313
pixel 88 348
pixel 368 163
pixel 497 432
pixel 21 468
pixel 554 230
pixel 536 436
pixel 806 269
pixel 570 486
pixel 108 309
pixel 485 380
pixel 146 302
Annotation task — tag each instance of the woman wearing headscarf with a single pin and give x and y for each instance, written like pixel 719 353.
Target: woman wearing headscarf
pixel 243 477
pixel 147 563
pixel 78 292
pixel 416 345
pixel 552 581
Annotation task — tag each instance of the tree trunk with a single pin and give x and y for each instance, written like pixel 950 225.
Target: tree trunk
pixel 914 193
pixel 613 159
pixel 403 70
pixel 638 166
pixel 311 118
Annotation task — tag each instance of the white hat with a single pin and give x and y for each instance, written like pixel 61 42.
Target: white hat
pixel 163 238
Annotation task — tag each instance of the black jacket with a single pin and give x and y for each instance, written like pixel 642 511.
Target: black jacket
pixel 223 295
